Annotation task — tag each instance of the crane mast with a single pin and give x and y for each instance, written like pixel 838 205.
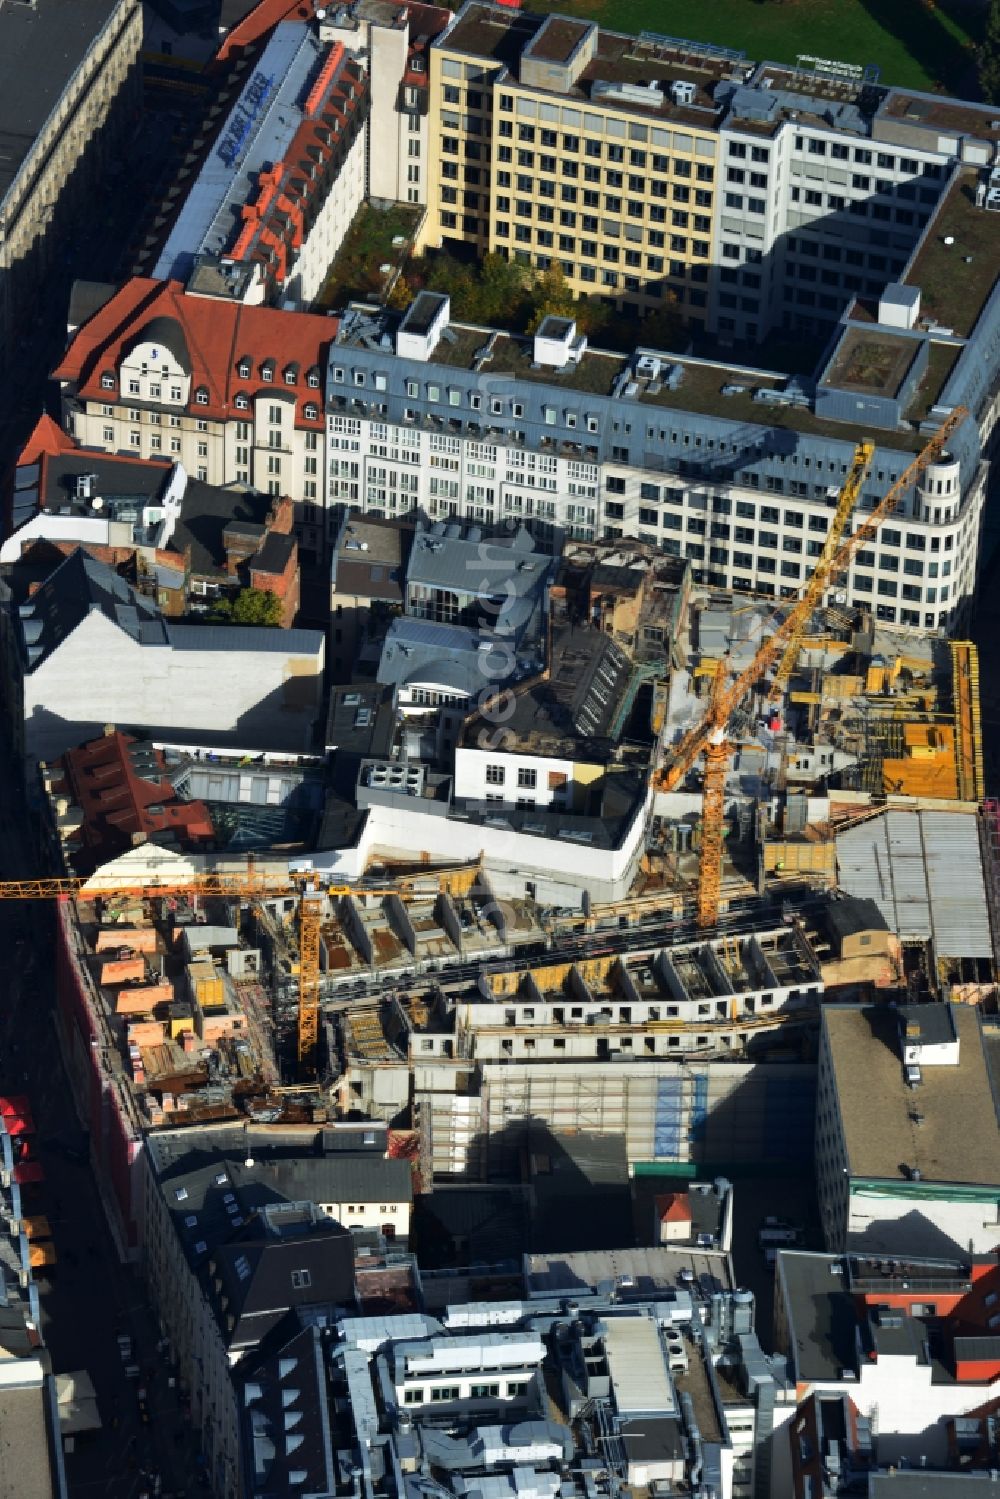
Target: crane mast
pixel 252 884
pixel 708 736
pixel 813 592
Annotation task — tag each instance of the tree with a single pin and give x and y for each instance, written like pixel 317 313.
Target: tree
pixel 251 606
pixel 457 281
pixel 662 328
pixel 550 297
pixel 503 285
pixel 989 55
pixel 401 295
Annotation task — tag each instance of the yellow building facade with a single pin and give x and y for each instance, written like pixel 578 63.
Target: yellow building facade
pixel 562 145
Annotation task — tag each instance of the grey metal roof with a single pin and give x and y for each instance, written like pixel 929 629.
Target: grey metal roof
pixel 256 134
pixel 250 638
pixel 510 570
pixel 286 1423
pixel 924 872
pixel 449 656
pixel 656 436
pixel 78 586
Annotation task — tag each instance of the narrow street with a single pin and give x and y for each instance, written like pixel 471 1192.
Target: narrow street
pixel 88 1297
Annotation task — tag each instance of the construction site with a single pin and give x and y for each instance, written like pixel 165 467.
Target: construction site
pixel 812 831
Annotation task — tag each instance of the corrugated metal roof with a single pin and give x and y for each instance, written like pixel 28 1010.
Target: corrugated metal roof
pixel 637 1367
pixel 924 872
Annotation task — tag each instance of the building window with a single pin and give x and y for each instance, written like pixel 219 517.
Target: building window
pixel 109 434
pixel 495 775
pixel 311 412
pixel 301 1280
pixel 242 404
pixel 175 393
pixel 243 369
pixel 201 396
pixel 107 382
pixel 527 779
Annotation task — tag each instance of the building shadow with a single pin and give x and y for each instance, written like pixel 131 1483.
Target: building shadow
pixel 930 43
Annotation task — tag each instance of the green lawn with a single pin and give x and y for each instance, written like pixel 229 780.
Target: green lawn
pixel 922 44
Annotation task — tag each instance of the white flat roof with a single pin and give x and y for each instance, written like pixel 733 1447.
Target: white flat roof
pixel 639 1375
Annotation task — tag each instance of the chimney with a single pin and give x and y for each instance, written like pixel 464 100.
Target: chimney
pixel 282 517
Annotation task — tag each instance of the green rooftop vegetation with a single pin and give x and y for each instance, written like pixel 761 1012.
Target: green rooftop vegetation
pixel 942 360
pixel 956 279
pixel 356 273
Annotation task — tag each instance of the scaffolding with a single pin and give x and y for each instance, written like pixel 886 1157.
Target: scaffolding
pixel 968 720
pixel 989 839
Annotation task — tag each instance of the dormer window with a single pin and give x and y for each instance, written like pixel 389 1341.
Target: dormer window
pixel 201 396
pixel 107 382
pixel 312 379
pixel 242 403
pixel 312 411
pixel 291 374
pixel 243 369
pixel 267 370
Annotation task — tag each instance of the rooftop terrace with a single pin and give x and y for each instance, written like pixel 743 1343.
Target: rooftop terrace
pixel 871 362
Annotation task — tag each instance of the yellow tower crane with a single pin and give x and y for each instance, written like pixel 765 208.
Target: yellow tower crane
pixel 708 737
pixel 250 883
pixel 814 589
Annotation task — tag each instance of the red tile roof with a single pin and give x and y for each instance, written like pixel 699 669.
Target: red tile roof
pixel 47 440
pixel 218 334
pixel 259 23
pixel 425 20
pixel 673 1208
pixel 274 221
